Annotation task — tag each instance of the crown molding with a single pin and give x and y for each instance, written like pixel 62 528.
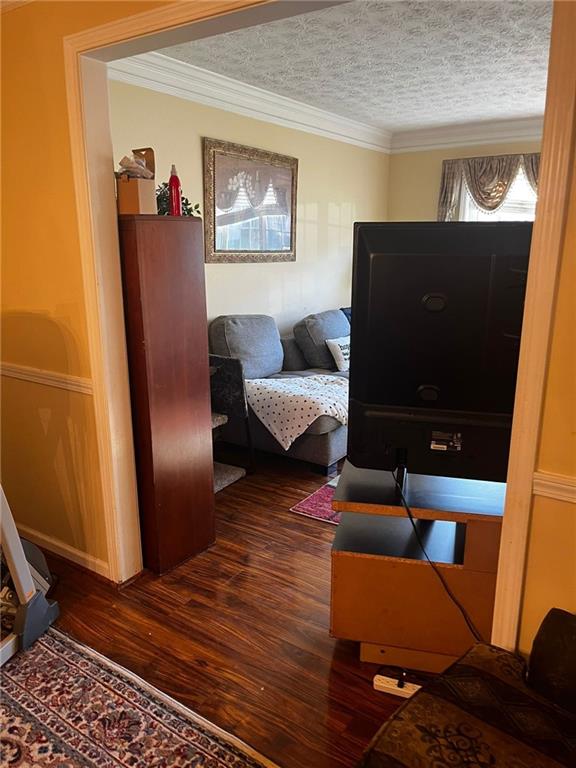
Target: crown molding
pixel 166 75
pixel 468 134
pixel 554 486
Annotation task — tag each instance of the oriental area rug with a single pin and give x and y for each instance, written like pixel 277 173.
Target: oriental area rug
pixel 64 706
pixel 319 504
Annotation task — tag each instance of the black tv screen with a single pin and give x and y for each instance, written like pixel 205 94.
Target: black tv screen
pixel 436 321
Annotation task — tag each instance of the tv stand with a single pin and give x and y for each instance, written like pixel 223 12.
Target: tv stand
pixel 385 594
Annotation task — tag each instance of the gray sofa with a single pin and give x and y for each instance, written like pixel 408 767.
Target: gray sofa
pixel 256 342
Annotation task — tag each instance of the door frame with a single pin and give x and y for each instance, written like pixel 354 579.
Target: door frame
pixel 103 295
pixel 92 163
pixel 554 186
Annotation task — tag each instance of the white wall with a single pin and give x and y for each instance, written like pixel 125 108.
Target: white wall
pixel 338 184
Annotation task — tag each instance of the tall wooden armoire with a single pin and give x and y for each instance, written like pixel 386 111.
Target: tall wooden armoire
pixel 166 328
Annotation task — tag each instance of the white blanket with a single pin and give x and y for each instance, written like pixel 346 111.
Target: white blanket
pixel 287 407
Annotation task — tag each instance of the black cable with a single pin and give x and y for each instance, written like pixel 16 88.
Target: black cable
pixel 465 615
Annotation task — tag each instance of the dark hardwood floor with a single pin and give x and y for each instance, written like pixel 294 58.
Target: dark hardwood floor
pixel 240 633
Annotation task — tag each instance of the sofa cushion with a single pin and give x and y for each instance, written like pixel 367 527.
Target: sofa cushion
pixel 252 339
pixel 323 424
pixel 310 372
pixel 311 334
pixel 293 357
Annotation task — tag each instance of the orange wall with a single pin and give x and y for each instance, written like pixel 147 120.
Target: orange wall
pixel 50 469
pixel 558 440
pixel 41 271
pixel 551 558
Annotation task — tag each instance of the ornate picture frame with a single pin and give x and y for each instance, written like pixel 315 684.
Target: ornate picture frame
pixel 249 204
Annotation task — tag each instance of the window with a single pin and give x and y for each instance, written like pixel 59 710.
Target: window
pixel 491 188
pixel 519 205
pixel 245 228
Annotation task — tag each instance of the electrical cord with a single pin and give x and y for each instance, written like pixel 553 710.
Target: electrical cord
pixel 465 615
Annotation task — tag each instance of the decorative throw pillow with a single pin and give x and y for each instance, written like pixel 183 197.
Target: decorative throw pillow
pixel 340 349
pixel 311 334
pixel 348 312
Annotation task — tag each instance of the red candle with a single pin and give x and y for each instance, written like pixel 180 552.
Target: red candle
pixel 175 193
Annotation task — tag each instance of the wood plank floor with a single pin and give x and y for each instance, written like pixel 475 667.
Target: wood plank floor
pixel 240 633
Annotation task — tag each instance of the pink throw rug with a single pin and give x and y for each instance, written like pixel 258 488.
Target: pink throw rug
pixel 319 505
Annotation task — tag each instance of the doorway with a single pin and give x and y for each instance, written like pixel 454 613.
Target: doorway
pixel 85 55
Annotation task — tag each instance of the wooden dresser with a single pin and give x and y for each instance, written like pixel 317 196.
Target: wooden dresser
pixel 384 592
pixel 166 329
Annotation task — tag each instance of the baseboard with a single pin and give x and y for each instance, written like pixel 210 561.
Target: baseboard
pixel 66 551
pixel 553 486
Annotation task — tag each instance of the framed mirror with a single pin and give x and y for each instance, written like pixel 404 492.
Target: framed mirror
pixel 249 204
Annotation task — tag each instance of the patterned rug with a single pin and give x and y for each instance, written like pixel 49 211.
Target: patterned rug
pixel 319 504
pixel 65 706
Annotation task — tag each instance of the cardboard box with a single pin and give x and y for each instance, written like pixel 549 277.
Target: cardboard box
pixel 138 195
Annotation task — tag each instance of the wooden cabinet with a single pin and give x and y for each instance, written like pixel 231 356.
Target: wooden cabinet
pixel 166 329
pixel 384 592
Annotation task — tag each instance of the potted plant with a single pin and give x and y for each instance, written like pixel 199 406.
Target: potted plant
pixel 163 203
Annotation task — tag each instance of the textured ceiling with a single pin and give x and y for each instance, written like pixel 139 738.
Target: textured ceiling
pixel 395 65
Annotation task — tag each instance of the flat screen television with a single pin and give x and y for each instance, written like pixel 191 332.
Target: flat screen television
pixel 436 321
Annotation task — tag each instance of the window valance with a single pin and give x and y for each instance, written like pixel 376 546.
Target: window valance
pixel 487 179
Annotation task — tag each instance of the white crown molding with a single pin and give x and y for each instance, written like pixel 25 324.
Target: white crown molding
pixel 553 486
pixel 166 75
pixel 468 134
pixel 58 547
pixel 47 378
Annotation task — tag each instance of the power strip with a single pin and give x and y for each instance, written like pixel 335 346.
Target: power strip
pixel 390 685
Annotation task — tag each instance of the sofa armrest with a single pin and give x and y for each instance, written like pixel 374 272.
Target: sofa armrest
pixel 227 391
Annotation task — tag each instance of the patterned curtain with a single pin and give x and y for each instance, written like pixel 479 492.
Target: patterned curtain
pixel 488 179
pixel 450 190
pixel 532 169
pixel 282 199
pixel 226 190
pixel 256 185
pixel 228 186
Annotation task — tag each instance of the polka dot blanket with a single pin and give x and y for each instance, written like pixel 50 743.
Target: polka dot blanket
pixel 287 407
